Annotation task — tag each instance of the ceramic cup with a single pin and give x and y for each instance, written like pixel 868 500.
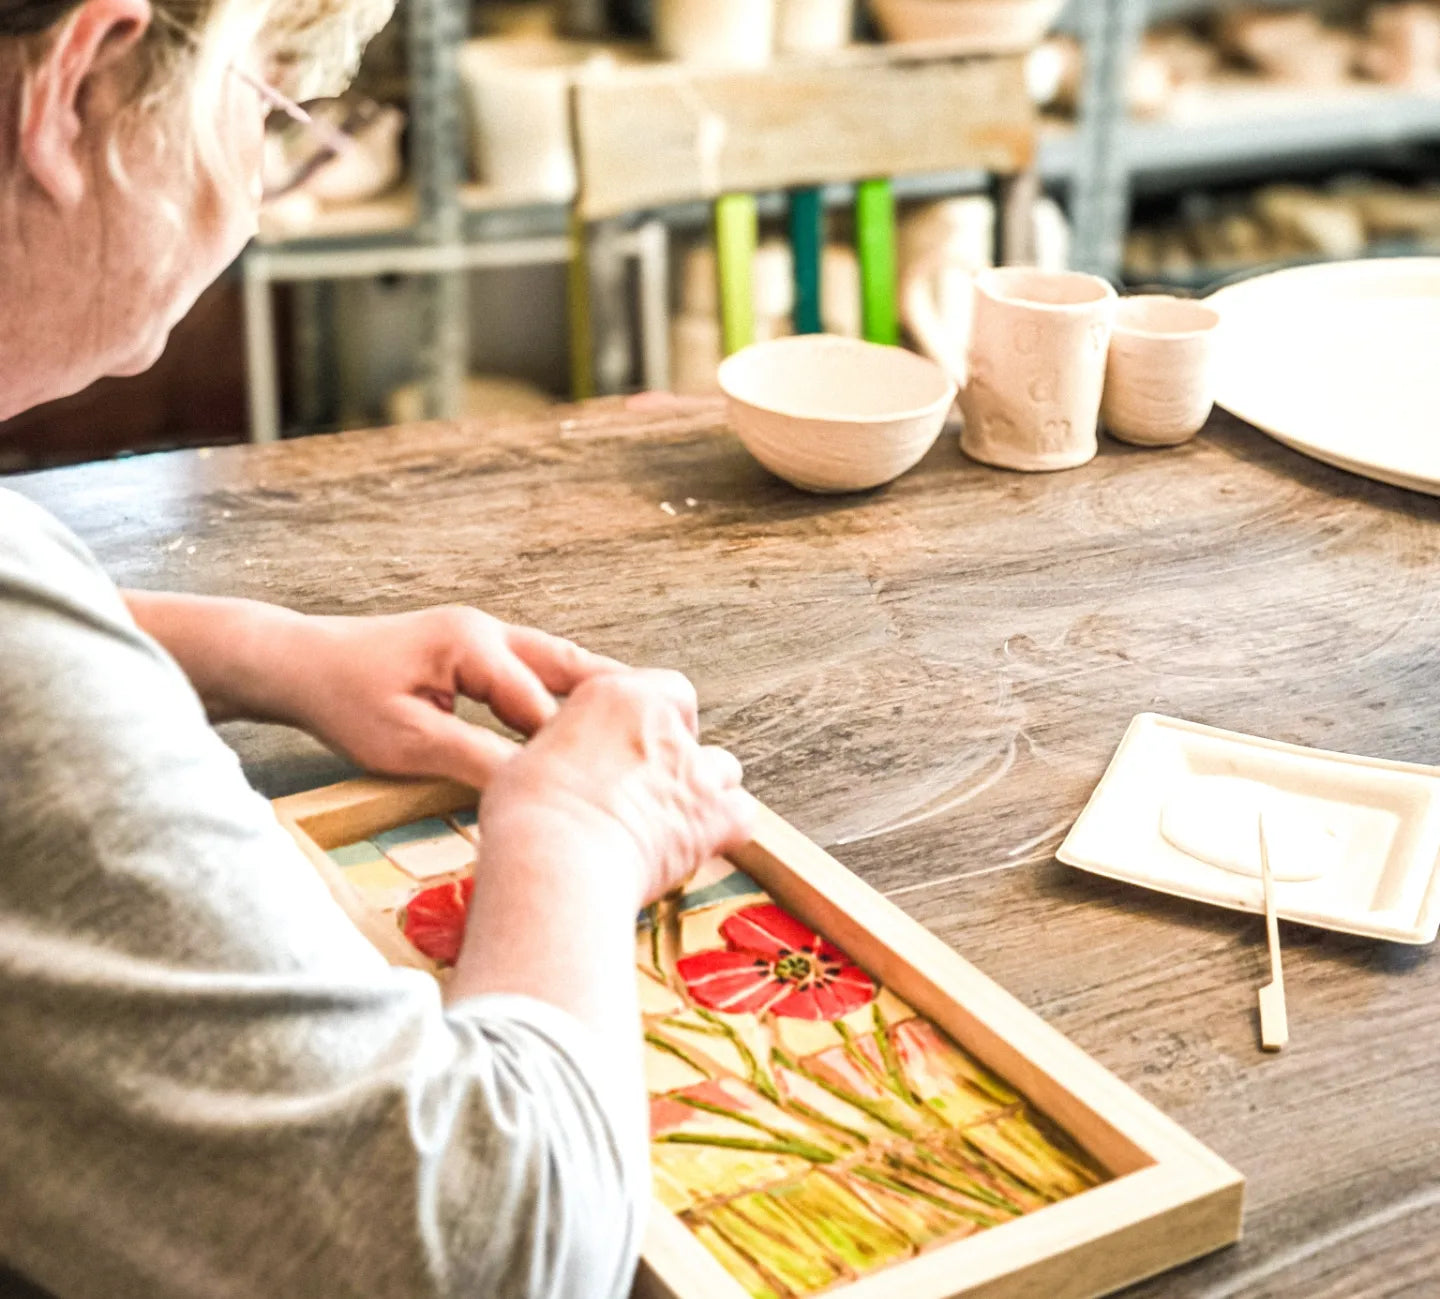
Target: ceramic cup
pixel 519 101
pixel 716 33
pixel 1035 367
pixel 1158 381
pixel 807 26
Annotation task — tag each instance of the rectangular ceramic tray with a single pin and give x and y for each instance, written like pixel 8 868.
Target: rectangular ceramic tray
pixel 1164 1199
pixel 1366 830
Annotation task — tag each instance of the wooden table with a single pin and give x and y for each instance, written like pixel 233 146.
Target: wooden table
pixel 929 679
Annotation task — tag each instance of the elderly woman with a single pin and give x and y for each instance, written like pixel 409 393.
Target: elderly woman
pixel 210 1085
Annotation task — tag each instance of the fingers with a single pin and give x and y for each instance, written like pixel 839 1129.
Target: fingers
pixel 488 670
pixel 724 811
pixel 443 745
pixel 717 769
pixel 674 689
pixel 517 696
pixel 561 665
pixel 738 812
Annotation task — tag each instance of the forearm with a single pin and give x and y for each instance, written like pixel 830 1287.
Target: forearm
pixel 553 918
pixel 224 646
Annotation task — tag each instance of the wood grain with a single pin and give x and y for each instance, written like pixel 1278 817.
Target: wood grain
pixel 929 679
pixel 709 133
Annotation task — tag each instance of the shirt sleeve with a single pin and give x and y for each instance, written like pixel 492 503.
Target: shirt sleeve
pixel 210 1083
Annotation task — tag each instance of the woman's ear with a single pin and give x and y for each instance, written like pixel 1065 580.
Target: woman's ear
pixel 57 100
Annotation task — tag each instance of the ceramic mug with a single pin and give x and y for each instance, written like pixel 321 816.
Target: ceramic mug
pixel 808 26
pixel 1158 380
pixel 1035 368
pixel 518 93
pixel 716 33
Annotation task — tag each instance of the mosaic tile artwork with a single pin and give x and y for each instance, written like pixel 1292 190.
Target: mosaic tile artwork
pixel 806 1124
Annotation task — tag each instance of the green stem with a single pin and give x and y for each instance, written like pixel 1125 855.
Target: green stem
pixel 667 943
pixel 900 1188
pixel 869 1107
pixel 749 1120
pixel 670 1048
pixel 758 1077
pixel 863 1061
pixel 673 1021
pixel 800 1149
pixel 894 1066
pixel 811 1115
pixel 965 1181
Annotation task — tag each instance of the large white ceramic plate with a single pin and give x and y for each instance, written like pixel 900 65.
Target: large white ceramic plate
pixel 1353 842
pixel 1340 361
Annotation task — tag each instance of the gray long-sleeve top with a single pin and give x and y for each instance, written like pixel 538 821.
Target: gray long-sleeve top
pixel 210 1084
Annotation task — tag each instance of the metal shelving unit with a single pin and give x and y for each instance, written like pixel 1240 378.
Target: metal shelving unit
pixel 1250 133
pixel 444 228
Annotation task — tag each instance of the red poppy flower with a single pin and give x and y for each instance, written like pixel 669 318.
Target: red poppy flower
pixel 771 961
pixel 435 919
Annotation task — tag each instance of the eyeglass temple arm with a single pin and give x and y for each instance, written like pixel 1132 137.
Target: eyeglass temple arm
pixel 335 141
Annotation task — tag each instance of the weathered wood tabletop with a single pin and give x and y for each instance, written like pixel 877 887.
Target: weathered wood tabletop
pixel 929 679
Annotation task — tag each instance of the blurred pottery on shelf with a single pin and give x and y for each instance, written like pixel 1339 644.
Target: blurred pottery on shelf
pixel 696 350
pixel 371 165
pixel 1403 48
pixel 981 26
pixel 773 275
pixel 834 414
pixel 1291 45
pixel 773 270
pixel 531 19
pixel 1052 73
pixel 942 246
pixel 808 26
pixel 1036 368
pixel 1159 377
pixel 840 291
pixel 518 93
pixel 716 33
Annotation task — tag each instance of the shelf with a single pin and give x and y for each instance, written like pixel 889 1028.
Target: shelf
pixel 1228 129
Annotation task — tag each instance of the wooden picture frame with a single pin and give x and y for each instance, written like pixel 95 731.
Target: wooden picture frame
pixel 1168 1198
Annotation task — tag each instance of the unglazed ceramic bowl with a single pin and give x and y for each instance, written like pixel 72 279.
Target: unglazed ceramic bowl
pixel 1159 378
pixel 831 414
pixel 985 26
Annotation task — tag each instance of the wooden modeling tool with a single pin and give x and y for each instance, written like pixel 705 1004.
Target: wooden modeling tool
pixel 1274 1028
pixel 736 232
pixel 875 249
pixel 807 247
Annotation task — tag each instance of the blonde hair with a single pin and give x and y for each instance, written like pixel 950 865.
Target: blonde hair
pixel 312 48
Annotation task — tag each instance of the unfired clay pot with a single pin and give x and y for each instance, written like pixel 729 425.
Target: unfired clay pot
pixel 716 33
pixel 1158 381
pixel 1036 367
pixel 982 26
pixel 834 414
pixel 519 101
pixel 807 26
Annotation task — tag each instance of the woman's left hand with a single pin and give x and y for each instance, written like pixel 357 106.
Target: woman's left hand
pixel 382 690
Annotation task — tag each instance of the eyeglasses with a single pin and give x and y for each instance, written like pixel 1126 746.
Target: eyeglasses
pixel 320 140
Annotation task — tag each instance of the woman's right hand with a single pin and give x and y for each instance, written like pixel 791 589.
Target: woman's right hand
pixel 618 775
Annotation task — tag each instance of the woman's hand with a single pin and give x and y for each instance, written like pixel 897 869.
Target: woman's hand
pixel 379 690
pixel 382 690
pixel 618 777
